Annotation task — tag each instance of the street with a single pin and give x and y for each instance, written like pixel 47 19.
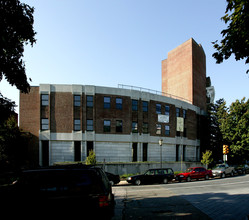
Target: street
pixel 226 198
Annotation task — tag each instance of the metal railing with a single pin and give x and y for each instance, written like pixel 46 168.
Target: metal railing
pixel 141 89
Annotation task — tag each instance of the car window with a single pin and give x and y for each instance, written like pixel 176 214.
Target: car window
pixel 170 171
pixel 196 169
pixel 189 170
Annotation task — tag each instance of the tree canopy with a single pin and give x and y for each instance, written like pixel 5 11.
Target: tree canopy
pixel 236 37
pixel 16 30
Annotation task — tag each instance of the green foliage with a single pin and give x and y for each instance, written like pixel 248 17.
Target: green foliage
pixel 91 159
pixel 236 37
pixel 16 30
pixel 207 157
pixel 234 127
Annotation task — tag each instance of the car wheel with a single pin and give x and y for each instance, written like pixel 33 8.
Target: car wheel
pixel 207 177
pixel 138 182
pixel 165 181
pixel 188 179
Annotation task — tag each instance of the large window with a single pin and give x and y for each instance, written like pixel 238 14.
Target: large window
pixel 89 101
pixel 107 102
pixel 119 126
pixel 77 126
pixel 134 105
pixel 158 108
pixel 167 130
pixel 89 125
pixel 44 124
pixel 77 101
pixel 107 125
pixel 134 127
pixel 145 106
pixel 167 109
pixel 44 99
pixel 119 103
pixel 177 112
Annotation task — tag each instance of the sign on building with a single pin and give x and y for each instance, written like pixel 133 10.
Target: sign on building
pixel 163 118
pixel 180 124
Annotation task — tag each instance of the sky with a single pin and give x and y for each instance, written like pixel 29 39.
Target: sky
pixel 111 42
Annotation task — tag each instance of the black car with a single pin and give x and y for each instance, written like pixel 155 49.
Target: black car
pixel 114 179
pixel 60 191
pixel 152 176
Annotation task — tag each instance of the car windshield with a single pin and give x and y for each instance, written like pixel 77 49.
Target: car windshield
pixel 189 170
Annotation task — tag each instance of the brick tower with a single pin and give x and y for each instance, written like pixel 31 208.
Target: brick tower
pixel 184 73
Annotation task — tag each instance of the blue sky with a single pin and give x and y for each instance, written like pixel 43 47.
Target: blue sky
pixel 111 42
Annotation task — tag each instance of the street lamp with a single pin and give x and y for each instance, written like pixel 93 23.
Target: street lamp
pixel 161 144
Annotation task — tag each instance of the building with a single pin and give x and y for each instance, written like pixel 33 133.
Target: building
pixel 119 124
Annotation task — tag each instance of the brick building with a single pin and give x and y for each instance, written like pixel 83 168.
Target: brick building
pixel 119 124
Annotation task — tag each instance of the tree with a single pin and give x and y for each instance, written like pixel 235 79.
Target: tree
pixel 206 158
pixel 234 127
pixel 16 30
pixel 91 159
pixel 236 37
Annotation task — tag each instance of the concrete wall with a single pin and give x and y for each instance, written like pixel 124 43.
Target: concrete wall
pixel 134 168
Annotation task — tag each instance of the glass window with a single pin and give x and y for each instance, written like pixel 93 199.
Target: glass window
pixel 177 112
pixel 107 102
pixel 44 124
pixel 158 129
pixel 167 110
pixel 89 101
pixel 119 126
pixel 184 113
pixel 119 102
pixel 107 125
pixel 158 108
pixel 89 125
pixel 134 105
pixel 134 127
pixel 145 106
pixel 167 130
pixel 77 100
pixel 77 126
pixel 44 98
pixel 145 128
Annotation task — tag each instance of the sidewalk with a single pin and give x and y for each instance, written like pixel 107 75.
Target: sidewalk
pixel 148 204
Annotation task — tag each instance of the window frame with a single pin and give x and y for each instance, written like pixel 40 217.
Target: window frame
pixel 107 128
pixel 107 104
pixel 76 124
pixel 119 103
pixel 44 124
pixel 89 124
pixel 44 101
pixel 89 103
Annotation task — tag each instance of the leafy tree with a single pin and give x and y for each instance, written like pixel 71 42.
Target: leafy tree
pixel 16 30
pixel 234 128
pixel 91 159
pixel 236 37
pixel 207 158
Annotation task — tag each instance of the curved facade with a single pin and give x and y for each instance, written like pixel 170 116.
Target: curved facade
pixel 67 121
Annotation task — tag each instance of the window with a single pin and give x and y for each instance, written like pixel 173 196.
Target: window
pixel 77 101
pixel 119 126
pixel 119 102
pixel 107 102
pixel 158 108
pixel 107 125
pixel 77 126
pixel 134 105
pixel 44 124
pixel 158 129
pixel 89 125
pixel 89 101
pixel 44 99
pixel 167 110
pixel 177 112
pixel 167 130
pixel 145 128
pixel 134 127
pixel 184 113
pixel 145 106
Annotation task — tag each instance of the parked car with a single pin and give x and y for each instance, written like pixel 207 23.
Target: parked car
pixel 63 191
pixel 194 173
pixel 221 170
pixel 114 179
pixel 242 169
pixel 152 176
